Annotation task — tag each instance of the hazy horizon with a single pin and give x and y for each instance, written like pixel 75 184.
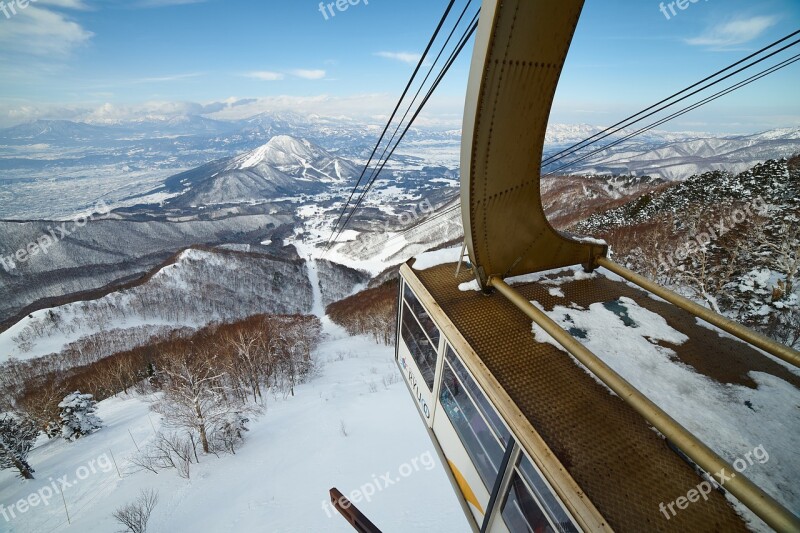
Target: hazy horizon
pixel 95 61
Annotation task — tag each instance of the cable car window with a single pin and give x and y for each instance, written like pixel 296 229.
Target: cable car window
pixel 545 496
pixel 521 512
pixel 422 315
pixel 489 414
pixel 423 352
pixel 483 447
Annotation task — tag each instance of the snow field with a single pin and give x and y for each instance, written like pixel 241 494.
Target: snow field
pixel 352 426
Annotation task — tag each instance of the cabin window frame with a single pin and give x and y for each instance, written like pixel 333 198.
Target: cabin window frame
pixel 519 466
pixel 472 453
pixel 512 454
pixel 405 309
pixel 413 302
pixel 557 515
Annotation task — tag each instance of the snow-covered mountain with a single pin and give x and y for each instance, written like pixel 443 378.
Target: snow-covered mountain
pixel 292 155
pixel 561 136
pixel 129 159
pixel 569 199
pixel 109 251
pixel 728 240
pixel 776 183
pixel 285 166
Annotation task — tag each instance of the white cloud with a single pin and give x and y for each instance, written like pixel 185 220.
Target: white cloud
pixel 265 75
pixel 168 78
pixel 443 111
pixel 155 110
pixel 367 108
pixel 405 57
pixel 354 106
pixel 309 74
pixel 164 3
pixel 42 32
pixel 66 4
pixel 269 75
pixel 734 32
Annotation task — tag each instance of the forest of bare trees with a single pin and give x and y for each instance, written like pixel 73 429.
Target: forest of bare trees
pixel 204 384
pixel 225 286
pixel 371 312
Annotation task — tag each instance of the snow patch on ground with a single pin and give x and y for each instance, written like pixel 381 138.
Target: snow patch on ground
pixel 556 292
pixel 591 240
pixel 562 276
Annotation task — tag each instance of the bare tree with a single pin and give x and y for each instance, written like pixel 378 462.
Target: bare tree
pixel 136 515
pixel 703 279
pixel 196 396
pixel 781 242
pixel 172 451
pixel 40 403
pixel 249 362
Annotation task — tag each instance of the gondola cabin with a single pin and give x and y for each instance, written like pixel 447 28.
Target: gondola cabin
pixel 487 465
pixel 538 432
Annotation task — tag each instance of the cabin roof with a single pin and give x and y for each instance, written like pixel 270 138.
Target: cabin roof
pixel 622 464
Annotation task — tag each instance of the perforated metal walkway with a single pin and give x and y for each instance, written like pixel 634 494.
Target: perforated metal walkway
pixel 620 462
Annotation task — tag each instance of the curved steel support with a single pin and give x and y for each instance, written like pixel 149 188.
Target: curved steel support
pixel 519 54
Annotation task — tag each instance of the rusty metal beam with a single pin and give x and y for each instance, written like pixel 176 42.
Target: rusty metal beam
pixel 351 513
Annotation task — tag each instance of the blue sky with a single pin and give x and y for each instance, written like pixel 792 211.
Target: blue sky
pixel 112 59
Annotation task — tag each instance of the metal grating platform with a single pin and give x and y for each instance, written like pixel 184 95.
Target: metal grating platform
pixel 623 466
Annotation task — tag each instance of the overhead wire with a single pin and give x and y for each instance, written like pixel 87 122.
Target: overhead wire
pixel 422 85
pixel 396 109
pixel 453 56
pixel 572 150
pixel 419 91
pixel 766 72
pixel 683 111
pixel 624 123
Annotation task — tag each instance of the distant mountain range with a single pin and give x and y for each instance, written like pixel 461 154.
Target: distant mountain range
pixel 193 140
pixel 280 198
pixel 675 156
